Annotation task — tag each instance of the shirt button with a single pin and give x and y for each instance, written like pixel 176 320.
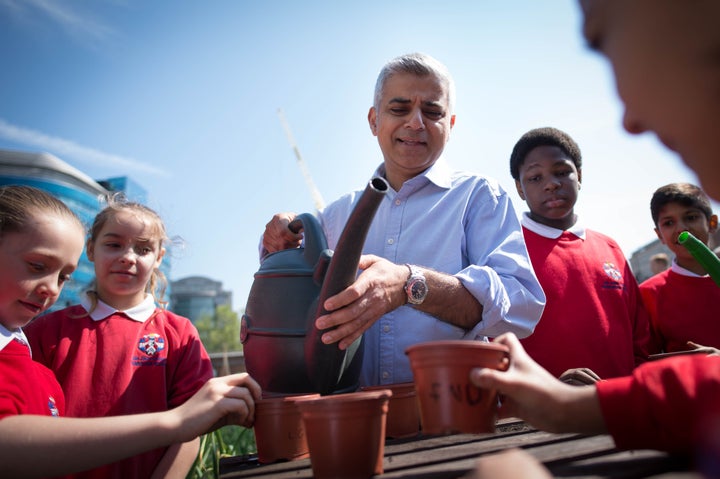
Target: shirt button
pixel 386 375
pixel 391 241
pixel 386 329
pixel 398 202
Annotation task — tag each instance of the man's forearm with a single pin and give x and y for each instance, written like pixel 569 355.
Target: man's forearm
pixel 449 301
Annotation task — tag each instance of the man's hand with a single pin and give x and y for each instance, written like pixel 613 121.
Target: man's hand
pixel 277 234
pixel 378 290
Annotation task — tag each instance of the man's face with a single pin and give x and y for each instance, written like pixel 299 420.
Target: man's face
pixel 665 55
pixel 412 124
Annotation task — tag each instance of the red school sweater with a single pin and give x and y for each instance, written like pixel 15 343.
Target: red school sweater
pixel 593 316
pixel 682 308
pixel 670 405
pixel 118 366
pixel 26 386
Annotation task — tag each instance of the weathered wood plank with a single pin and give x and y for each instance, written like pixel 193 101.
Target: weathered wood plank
pixel 448 457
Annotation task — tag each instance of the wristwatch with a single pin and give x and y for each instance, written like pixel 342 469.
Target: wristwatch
pixel 415 287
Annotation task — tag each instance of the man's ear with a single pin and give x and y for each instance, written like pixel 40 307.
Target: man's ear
pixel 519 189
pixel 713 223
pixel 452 121
pixel 372 120
pixel 579 178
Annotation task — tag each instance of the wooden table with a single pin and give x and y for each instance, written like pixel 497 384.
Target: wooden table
pixel 422 457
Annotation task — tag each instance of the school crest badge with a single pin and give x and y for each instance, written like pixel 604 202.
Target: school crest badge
pixel 151 344
pixel 612 271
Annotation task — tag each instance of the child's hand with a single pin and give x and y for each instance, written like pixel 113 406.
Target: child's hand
pixel 221 401
pixel 579 377
pixel 531 393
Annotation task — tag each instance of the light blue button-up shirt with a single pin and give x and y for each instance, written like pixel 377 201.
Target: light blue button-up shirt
pixel 452 222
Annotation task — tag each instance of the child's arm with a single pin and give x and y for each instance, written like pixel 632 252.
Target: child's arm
pixel 37 446
pixel 177 460
pixel 533 394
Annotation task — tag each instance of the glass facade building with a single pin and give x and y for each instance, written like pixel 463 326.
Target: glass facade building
pixel 80 192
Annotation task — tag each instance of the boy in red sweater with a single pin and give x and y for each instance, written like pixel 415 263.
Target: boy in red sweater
pixel 664 55
pixel 682 301
pixel 593 311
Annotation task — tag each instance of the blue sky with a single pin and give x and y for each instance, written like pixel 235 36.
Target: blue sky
pixel 183 97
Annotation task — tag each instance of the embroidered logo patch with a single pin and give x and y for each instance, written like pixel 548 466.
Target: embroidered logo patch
pixel 612 271
pixel 615 281
pixel 53 407
pixel 151 344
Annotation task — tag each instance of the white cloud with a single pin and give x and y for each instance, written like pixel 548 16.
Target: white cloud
pixel 68 148
pixel 79 25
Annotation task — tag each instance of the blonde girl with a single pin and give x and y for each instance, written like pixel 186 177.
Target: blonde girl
pixel 119 352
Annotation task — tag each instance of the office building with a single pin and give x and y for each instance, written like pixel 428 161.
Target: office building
pixel 197 296
pixel 80 192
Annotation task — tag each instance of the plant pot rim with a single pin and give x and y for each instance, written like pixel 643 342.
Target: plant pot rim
pixel 399 390
pixel 345 398
pixel 276 404
pixel 457 344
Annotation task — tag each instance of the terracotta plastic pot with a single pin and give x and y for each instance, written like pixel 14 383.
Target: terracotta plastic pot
pixel 279 431
pixel 448 402
pixel 346 433
pixel 403 418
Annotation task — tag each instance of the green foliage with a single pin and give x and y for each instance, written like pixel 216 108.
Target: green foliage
pixel 227 441
pixel 221 332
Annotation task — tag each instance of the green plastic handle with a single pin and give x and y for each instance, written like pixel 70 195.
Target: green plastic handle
pixel 707 259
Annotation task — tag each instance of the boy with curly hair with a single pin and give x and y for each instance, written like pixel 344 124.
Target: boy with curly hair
pixel 593 312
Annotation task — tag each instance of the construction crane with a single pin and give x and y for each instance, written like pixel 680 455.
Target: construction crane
pixel 317 198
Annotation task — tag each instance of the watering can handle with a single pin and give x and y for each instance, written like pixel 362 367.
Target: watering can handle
pixel 314 237
pixel 296 225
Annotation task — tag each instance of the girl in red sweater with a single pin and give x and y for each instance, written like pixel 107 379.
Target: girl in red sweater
pixel 40 243
pixel 119 352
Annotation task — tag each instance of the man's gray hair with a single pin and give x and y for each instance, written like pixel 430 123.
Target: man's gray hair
pixel 417 64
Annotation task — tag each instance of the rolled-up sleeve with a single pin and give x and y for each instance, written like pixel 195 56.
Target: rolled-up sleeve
pixel 500 275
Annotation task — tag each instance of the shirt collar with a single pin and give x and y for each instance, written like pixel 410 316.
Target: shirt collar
pixel 6 336
pixel 548 232
pixel 139 313
pixel 439 173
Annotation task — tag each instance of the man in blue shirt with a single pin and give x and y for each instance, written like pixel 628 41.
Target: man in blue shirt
pixel 444 257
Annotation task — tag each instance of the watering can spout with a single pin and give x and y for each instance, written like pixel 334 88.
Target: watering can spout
pixel 283 348
pixel 322 359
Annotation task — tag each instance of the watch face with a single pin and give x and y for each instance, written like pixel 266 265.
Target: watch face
pixel 418 290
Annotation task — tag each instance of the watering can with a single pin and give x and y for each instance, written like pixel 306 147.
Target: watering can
pixel 283 349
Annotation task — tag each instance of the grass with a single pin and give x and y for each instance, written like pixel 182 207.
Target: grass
pixel 227 441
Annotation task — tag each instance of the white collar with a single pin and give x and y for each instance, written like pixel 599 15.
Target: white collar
pixel 139 313
pixel 549 232
pixel 676 268
pixel 6 336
